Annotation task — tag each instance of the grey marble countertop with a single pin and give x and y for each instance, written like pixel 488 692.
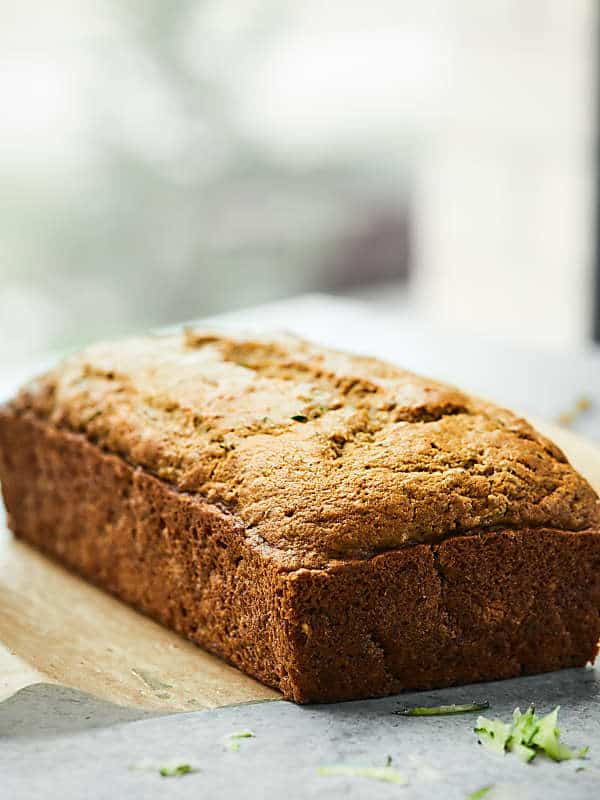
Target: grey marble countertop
pixel 57 743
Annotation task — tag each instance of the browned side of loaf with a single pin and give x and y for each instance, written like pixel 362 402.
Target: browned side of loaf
pixel 167 553
pixel 471 608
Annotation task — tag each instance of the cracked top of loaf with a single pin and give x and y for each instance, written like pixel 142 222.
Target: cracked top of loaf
pixel 322 455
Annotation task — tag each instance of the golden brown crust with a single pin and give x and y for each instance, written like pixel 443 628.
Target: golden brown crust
pixel 321 455
pixel 468 609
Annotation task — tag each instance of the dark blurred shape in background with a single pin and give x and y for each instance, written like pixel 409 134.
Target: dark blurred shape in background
pixel 163 161
pixel 375 250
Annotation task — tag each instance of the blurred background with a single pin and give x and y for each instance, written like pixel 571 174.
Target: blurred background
pixel 163 161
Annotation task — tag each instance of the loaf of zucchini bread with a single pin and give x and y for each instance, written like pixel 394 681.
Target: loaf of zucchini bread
pixel 331 524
